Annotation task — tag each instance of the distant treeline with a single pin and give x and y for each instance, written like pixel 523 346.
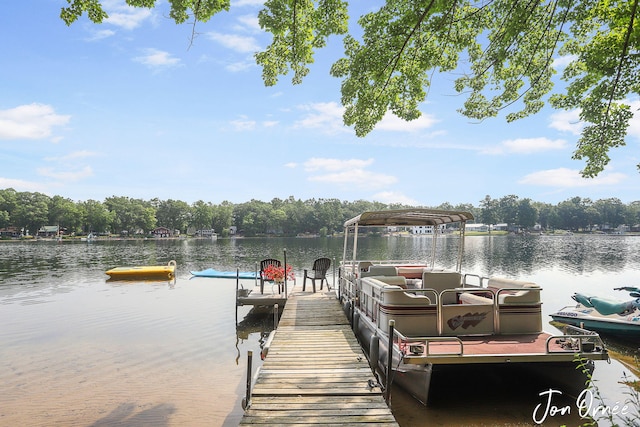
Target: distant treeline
pixel 25 213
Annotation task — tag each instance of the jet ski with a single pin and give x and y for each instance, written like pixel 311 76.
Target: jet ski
pixel 604 315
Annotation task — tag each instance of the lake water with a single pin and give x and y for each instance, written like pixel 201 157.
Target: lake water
pixel 79 350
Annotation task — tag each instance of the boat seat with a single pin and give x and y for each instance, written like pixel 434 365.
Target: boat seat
pixel 606 306
pixel 519 306
pixel 508 291
pixel 414 314
pixel 403 298
pixel 441 280
pixel 411 271
pixel 473 298
pixel 380 270
pixel 582 299
pixel 391 280
pixel 364 266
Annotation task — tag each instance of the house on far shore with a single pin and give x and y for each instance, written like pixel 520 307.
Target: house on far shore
pixel 483 228
pixel 10 232
pixel 160 232
pixel 50 231
pixel 206 233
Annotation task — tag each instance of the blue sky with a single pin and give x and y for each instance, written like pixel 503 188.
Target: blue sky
pixel 132 108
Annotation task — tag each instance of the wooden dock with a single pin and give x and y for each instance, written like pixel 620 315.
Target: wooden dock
pixel 315 372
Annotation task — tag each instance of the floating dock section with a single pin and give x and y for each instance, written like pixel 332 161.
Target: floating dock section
pixel 315 371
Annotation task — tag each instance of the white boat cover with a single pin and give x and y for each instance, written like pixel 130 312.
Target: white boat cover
pixel 408 217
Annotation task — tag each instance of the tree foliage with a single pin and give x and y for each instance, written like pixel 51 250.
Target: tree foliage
pixel 503 49
pixel 298 29
pixel 27 212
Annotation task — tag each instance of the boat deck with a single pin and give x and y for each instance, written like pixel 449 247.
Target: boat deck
pixel 503 344
pixel 315 371
pixel 494 349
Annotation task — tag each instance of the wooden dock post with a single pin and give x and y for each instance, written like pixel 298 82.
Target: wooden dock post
pixel 237 289
pixel 275 316
pixel 246 402
pixel 387 387
pixel 285 274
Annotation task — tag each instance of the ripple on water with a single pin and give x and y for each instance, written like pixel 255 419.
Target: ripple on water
pixel 76 350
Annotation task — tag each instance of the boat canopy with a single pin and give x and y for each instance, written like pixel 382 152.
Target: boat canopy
pixel 408 217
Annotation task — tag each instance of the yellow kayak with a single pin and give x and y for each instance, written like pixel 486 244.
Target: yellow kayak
pixel 162 271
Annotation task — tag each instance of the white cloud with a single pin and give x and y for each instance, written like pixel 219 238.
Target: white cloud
pixel 21 185
pixel 357 178
pixel 318 163
pixel 32 121
pixel 237 66
pixel 238 43
pixel 243 124
pixel 323 115
pixel 351 173
pixel 634 123
pixel 66 176
pixel 570 178
pixel 567 121
pixel 328 117
pixel 249 22
pixel 154 58
pixel 125 16
pixel 100 35
pixel 526 146
pixel 563 61
pixel 393 197
pixel 391 122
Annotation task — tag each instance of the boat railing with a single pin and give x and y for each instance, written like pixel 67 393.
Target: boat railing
pixel 576 343
pixel 417 349
pixel 480 281
pixel 357 267
pixel 347 287
pixel 577 339
pixel 420 346
pixel 432 293
pixel 350 263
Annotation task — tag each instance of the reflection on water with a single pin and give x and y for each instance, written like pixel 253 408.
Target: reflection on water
pixel 259 321
pixel 76 349
pixel 522 255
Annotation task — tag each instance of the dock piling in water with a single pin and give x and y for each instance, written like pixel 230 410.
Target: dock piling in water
pixel 247 400
pixel 389 373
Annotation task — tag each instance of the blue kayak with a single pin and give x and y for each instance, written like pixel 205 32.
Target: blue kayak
pixel 210 272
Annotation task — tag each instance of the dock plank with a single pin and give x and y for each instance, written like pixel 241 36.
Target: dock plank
pixel 315 372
